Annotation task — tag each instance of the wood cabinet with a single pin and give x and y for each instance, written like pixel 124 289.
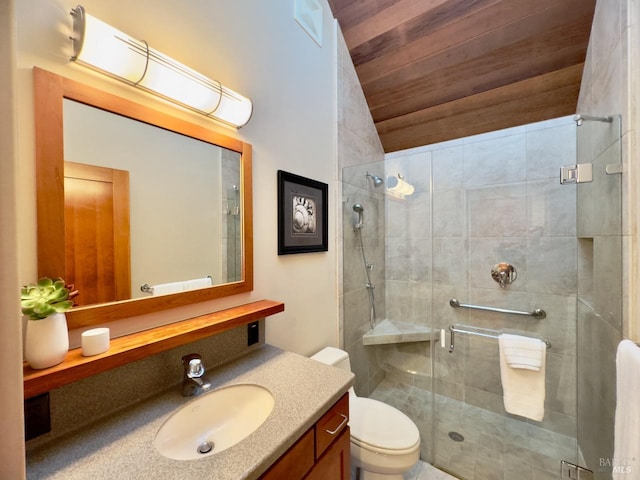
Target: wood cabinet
pixel 322 453
pixel 334 463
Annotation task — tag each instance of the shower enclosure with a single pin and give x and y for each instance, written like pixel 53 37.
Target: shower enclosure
pixel 474 203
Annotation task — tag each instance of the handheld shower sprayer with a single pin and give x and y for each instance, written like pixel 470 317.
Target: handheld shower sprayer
pixel 357 227
pixel 358 208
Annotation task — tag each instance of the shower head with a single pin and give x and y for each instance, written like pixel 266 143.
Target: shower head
pixel 358 208
pixel 377 181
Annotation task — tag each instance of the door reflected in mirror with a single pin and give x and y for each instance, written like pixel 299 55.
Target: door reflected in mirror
pixel 147 211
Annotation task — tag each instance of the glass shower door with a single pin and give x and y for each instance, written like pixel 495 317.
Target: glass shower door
pixel 497 198
pixel 599 220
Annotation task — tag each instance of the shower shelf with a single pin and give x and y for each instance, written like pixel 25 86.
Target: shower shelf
pixel 388 331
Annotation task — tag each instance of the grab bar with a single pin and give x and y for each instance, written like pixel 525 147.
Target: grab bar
pixel 537 313
pixel 479 332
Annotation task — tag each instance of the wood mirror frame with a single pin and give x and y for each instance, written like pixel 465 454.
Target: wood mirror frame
pixel 49 92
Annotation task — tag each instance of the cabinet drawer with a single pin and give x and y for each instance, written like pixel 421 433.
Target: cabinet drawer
pixel 332 423
pixel 295 463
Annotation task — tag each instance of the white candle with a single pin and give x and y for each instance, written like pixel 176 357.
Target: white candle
pixel 95 341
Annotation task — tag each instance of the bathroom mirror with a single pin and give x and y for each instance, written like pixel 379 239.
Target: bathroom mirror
pixel 180 202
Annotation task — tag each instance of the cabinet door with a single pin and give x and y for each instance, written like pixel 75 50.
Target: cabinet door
pixel 335 462
pixel 296 462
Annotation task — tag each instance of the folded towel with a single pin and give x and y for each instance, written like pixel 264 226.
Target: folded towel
pixel 626 457
pixel 523 352
pixel 523 388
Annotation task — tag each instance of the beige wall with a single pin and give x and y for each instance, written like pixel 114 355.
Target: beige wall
pixel 12 453
pixel 254 47
pixel 258 49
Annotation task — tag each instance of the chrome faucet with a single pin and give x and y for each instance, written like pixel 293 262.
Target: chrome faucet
pixel 194 382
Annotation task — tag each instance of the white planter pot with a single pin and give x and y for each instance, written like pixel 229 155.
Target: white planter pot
pixel 47 341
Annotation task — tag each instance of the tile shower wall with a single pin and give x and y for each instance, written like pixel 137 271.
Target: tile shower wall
pixel 359 151
pixel 408 276
pixel 358 189
pixel 608 294
pixel 600 293
pixel 231 228
pixel 408 246
pixel 496 198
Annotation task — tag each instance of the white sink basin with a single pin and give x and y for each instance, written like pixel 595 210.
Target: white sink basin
pixel 214 422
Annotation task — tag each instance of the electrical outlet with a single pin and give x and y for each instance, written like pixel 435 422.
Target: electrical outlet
pixel 253 333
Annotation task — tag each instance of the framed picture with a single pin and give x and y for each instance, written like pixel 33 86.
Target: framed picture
pixel 302 214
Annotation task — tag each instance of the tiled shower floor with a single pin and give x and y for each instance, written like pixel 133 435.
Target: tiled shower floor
pixel 495 447
pixel 420 471
pixel 425 471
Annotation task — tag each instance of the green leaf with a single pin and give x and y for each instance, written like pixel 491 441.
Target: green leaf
pixel 45 282
pixel 63 306
pixel 44 310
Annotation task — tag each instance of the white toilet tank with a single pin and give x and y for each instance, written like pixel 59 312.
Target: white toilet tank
pixel 333 356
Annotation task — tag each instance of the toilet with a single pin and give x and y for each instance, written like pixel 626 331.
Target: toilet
pixel 385 443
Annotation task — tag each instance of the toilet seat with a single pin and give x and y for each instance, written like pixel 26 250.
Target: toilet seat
pixel 381 428
pixel 383 451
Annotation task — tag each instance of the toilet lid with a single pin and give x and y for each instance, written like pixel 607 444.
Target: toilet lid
pixel 380 425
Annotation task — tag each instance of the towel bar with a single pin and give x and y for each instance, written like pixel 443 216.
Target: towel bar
pixel 537 313
pixel 480 332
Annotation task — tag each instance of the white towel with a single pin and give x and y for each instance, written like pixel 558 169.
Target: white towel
pixel 165 288
pixel 626 457
pixel 523 389
pixel 197 283
pixel 175 287
pixel 522 352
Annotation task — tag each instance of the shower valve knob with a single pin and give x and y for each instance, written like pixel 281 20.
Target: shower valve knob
pixel 504 274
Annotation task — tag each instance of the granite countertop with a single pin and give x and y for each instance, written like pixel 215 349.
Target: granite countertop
pixel 122 446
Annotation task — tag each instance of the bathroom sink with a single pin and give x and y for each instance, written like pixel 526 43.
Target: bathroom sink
pixel 214 422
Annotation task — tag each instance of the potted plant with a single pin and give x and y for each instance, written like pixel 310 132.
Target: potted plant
pixel 47 337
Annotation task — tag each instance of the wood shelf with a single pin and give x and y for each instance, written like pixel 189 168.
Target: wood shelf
pixel 140 345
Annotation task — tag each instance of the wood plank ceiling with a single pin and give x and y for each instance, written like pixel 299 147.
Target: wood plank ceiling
pixel 434 70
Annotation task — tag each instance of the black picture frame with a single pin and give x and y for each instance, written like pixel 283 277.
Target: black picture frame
pixel 303 213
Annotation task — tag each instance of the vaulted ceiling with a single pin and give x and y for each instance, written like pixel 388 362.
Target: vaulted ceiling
pixel 434 70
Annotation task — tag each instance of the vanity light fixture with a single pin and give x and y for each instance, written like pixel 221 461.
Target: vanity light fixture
pixel 399 187
pixel 102 47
